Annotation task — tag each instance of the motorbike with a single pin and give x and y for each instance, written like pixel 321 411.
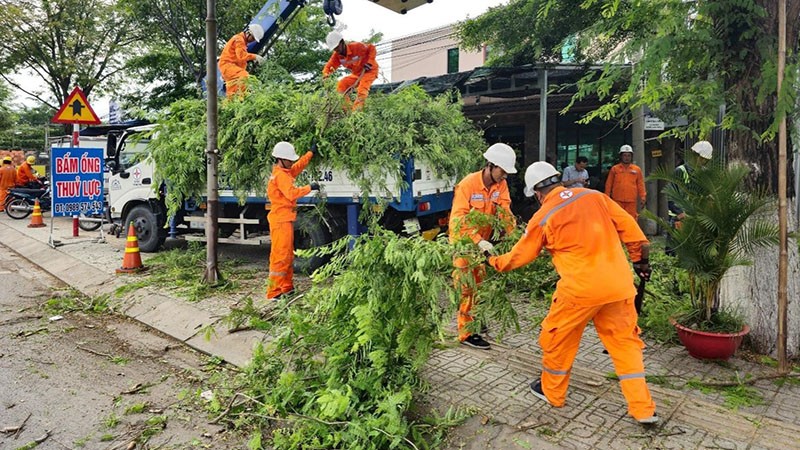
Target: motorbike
pixel 20 201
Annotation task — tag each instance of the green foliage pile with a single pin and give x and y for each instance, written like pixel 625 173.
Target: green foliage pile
pixel 368 144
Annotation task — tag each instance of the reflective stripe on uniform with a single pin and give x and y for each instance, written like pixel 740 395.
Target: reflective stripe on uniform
pixel 631 375
pixel 555 372
pixel 565 203
pixel 277 274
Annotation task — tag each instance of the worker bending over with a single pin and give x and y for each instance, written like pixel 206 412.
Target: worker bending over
pixel 283 195
pixel 582 230
pixel 234 58
pixel 359 59
pixel 485 191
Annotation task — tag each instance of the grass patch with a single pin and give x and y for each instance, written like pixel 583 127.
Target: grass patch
pixel 111 421
pixel 181 270
pixel 136 408
pixel 735 397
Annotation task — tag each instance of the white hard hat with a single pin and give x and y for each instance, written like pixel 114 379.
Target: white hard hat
pixel 256 31
pixel 503 156
pixel 285 150
pixel 704 149
pixel 333 39
pixel 626 149
pixel 538 175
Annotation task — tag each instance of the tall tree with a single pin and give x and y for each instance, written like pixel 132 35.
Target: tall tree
pixel 63 43
pixel 172 63
pixel 706 60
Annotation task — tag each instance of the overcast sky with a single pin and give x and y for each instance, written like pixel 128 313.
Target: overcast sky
pixel 358 20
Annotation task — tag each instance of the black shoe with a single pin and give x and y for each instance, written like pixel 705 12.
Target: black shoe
pixel 475 340
pixel 652 420
pixel 536 390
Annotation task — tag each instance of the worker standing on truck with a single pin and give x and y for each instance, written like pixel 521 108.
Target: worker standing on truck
pixel 582 230
pixel 283 195
pixel 359 59
pixel 234 58
pixel 485 191
pixel 8 179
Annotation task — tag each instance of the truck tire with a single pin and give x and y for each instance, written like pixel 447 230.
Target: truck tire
pixel 148 233
pixel 309 232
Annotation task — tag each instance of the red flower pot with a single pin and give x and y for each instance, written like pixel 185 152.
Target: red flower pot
pixel 705 345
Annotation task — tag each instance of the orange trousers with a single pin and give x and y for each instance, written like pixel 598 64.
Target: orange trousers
pixel 616 325
pixel 467 292
pixel 3 195
pixel 234 80
pixel 631 208
pixel 362 90
pixel 281 257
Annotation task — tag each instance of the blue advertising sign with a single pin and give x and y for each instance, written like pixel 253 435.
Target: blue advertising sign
pixel 77 181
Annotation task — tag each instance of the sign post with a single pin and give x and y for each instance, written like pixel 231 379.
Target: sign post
pixel 76 175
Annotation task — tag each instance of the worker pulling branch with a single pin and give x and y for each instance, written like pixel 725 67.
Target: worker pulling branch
pixel 359 59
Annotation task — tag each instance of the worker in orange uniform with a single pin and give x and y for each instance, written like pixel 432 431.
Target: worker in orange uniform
pixel 26 177
pixel 582 230
pixel 485 191
pixel 358 58
pixel 283 195
pixel 8 179
pixel 234 58
pixel 625 183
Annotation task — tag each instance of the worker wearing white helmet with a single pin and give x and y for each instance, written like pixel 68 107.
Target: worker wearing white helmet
pixel 283 195
pixel 582 230
pixel 234 57
pixel 358 58
pixel 702 152
pixel 625 183
pixel 486 192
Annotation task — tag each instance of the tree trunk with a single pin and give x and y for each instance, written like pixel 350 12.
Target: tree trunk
pixel 753 291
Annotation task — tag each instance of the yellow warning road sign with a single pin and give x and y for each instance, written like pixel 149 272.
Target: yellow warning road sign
pixel 76 110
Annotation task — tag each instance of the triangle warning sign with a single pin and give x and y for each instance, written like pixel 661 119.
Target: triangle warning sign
pixel 76 110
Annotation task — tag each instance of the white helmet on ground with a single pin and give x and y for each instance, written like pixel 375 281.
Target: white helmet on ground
pixel 626 149
pixel 503 156
pixel 256 31
pixel 285 150
pixel 333 39
pixel 539 175
pixel 704 149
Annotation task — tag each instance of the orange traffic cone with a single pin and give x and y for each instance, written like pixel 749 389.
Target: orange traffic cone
pixel 132 261
pixel 36 217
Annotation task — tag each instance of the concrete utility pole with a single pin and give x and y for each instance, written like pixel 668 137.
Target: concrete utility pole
pixel 211 275
pixel 783 258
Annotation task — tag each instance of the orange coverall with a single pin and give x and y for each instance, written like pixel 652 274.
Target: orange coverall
pixel 283 196
pixel 471 194
pixel 358 54
pixel 582 230
pixel 625 185
pixel 8 179
pixel 232 64
pixel 25 174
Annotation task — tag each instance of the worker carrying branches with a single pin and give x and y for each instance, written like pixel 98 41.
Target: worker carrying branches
pixel 234 58
pixel 357 57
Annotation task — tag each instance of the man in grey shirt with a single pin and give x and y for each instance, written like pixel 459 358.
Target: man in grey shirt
pixel 577 175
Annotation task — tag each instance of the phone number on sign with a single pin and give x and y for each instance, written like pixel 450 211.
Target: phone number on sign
pixel 82 207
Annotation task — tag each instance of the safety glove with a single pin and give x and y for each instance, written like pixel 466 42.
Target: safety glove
pixel 486 247
pixel 260 59
pixel 314 186
pixel 642 269
pixel 314 148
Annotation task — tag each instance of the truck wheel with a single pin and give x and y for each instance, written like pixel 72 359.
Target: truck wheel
pixel 309 232
pixel 146 226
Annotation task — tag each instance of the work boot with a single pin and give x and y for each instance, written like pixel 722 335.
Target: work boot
pixel 649 420
pixel 476 341
pixel 536 390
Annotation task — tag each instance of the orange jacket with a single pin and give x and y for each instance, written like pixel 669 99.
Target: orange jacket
pixel 357 55
pixel 582 230
pixel 8 177
pixel 235 52
pixel 625 183
pixel 470 193
pixel 282 192
pixel 25 174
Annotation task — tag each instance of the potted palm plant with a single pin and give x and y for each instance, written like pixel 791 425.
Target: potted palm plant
pixel 720 225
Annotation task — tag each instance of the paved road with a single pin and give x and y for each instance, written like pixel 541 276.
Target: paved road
pixel 96 381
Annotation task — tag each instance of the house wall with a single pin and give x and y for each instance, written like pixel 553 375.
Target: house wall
pixel 425 54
